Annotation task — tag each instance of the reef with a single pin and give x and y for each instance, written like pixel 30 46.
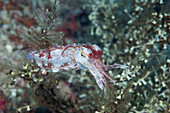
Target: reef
pixel 129 32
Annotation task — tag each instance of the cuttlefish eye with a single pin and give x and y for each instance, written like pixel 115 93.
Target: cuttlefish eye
pixel 83 55
pixel 86 56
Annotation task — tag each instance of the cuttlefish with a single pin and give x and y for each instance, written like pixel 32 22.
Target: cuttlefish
pixel 74 57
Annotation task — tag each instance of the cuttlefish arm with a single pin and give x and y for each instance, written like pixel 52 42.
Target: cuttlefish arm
pixel 90 57
pixel 108 67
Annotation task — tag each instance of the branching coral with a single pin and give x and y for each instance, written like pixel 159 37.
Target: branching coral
pixel 140 40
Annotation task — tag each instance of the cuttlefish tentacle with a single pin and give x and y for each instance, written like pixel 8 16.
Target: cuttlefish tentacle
pixel 99 75
pixel 108 67
pixel 95 65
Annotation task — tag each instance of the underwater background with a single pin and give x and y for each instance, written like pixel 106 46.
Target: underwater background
pixel 135 33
